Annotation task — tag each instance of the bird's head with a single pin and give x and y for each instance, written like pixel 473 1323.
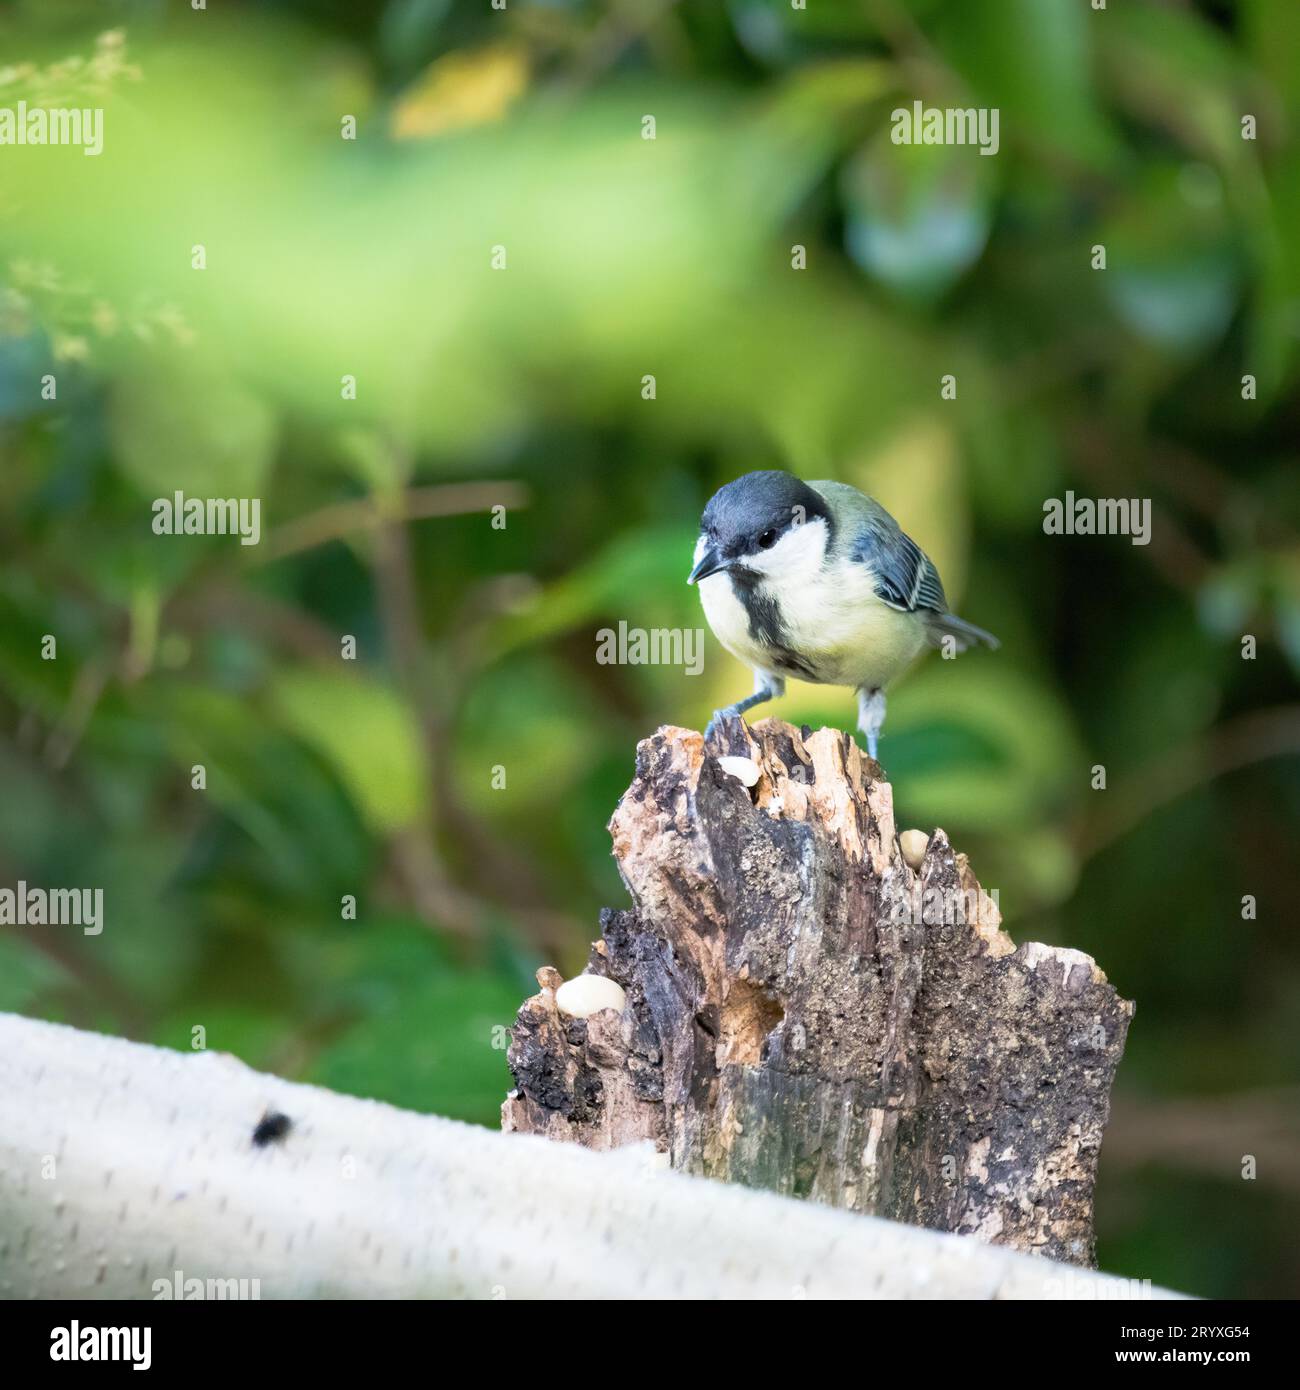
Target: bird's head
pixel 767 525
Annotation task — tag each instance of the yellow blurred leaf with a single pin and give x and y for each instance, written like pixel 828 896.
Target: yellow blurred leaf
pixel 917 478
pixel 461 90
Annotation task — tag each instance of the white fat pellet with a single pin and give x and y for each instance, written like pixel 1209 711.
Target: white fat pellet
pixel 743 769
pixel 585 995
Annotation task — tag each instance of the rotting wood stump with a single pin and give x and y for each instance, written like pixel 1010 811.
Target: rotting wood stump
pixel 805 1012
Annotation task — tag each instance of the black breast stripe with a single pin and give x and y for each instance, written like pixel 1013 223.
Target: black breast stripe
pixel 765 624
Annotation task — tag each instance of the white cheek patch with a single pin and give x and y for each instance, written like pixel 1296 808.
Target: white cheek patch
pixel 800 551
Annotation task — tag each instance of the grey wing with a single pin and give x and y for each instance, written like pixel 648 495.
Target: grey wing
pixel 905 577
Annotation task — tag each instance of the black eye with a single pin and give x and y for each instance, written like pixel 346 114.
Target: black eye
pixel 768 539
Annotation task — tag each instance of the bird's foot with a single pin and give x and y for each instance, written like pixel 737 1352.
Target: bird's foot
pixel 720 717
pixel 871 715
pixel 765 688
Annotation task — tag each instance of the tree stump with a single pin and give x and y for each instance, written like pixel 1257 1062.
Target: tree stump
pixel 807 1012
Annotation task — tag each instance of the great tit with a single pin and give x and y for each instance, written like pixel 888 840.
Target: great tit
pixel 817 580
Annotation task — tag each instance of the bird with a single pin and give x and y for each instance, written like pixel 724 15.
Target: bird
pixel 817 580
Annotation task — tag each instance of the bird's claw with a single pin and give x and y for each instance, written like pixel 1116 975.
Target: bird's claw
pixel 720 717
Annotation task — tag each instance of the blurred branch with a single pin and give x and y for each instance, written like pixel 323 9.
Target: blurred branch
pixel 364 513
pixel 438 899
pixel 87 688
pixel 1171 551
pixel 1252 738
pixel 98 990
pixel 625 23
pixel 284 624
pixel 415 857
pixel 925 68
pixel 100 987
pixel 1211 1135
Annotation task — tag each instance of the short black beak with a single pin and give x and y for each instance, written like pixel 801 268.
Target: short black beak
pixel 709 563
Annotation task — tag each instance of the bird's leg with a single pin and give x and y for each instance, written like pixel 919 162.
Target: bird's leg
pixel 871 716
pixel 765 688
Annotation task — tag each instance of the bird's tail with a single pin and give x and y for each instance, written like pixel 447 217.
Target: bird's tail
pixel 966 634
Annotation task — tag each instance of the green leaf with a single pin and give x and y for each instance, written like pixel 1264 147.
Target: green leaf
pixel 25 974
pixel 432 1037
pixel 369 735
pixel 1032 60
pixel 181 428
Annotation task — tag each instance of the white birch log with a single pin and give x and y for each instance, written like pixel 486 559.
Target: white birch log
pixel 122 1164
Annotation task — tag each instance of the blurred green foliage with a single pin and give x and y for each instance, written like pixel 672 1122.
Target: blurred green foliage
pixel 522 388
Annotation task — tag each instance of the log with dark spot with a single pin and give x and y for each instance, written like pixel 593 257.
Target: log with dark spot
pixel 808 1014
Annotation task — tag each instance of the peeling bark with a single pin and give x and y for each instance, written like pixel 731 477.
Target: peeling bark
pixel 809 1014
